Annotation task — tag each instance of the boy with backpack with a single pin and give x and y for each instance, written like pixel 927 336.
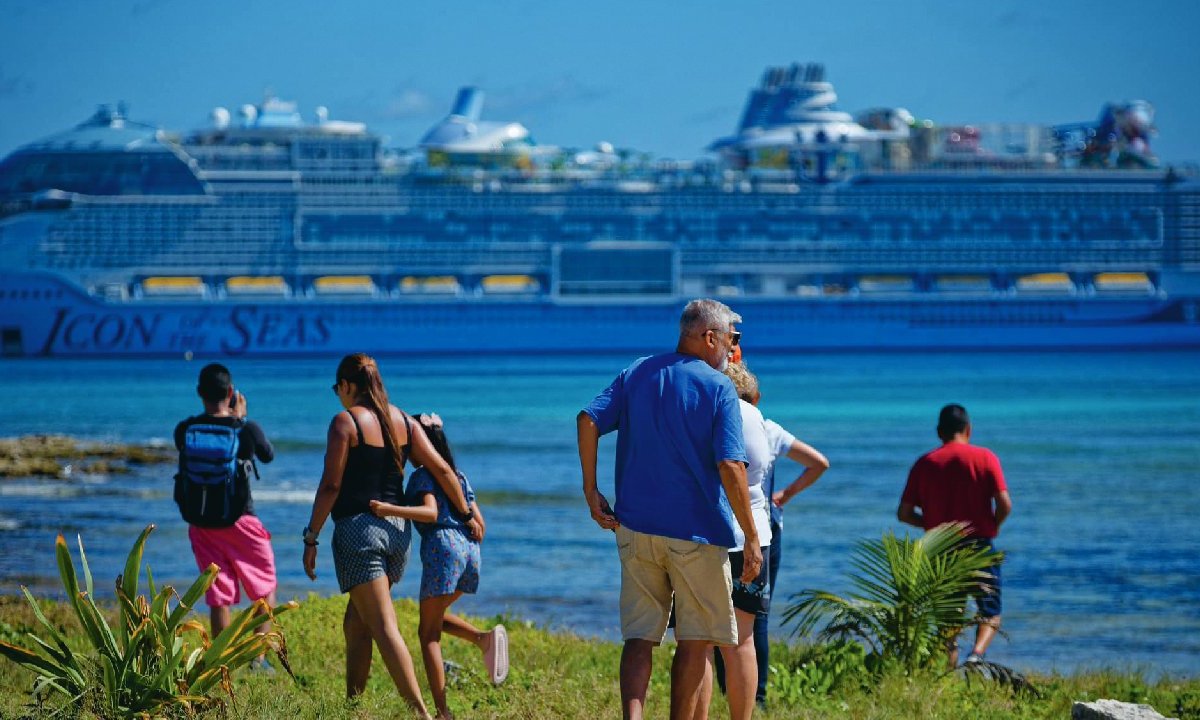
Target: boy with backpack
pixel 212 489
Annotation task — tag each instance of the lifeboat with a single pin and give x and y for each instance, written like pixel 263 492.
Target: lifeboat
pixel 435 285
pixel 181 287
pixel 344 285
pixel 885 283
pixel 963 283
pixel 1052 282
pixel 1129 282
pixel 510 284
pixel 256 285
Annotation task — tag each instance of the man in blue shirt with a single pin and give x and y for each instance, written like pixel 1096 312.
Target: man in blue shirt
pixel 680 484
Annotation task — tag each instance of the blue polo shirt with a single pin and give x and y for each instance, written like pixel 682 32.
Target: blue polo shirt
pixel 675 418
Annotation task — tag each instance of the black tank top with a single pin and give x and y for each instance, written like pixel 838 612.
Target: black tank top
pixel 371 474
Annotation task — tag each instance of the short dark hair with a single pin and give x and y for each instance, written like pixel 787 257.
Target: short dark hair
pixel 952 420
pixel 215 382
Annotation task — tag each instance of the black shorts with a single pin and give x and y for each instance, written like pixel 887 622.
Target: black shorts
pixel 755 596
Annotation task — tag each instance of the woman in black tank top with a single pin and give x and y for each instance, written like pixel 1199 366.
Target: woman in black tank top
pixel 371 473
pixel 367 446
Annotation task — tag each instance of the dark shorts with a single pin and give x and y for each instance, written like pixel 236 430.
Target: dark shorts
pixel 987 597
pixel 755 596
pixel 366 547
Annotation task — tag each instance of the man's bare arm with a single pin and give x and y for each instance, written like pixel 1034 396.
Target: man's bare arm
pixel 1003 507
pixel 733 478
pixel 588 439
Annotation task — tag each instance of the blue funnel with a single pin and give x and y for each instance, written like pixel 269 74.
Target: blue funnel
pixel 468 103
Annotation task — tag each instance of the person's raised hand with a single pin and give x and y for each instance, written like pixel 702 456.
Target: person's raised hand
pixel 237 404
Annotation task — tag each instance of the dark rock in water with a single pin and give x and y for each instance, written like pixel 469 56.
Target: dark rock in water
pixel 1113 710
pixel 60 456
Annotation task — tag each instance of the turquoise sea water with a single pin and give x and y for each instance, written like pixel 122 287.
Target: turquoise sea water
pixel 1101 452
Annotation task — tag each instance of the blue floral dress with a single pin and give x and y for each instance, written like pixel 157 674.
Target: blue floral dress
pixel 449 557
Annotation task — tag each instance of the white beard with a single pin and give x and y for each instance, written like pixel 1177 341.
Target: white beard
pixel 724 363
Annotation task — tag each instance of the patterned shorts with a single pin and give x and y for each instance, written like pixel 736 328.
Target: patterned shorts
pixel 449 562
pixel 366 547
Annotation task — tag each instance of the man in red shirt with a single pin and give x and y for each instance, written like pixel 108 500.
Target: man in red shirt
pixel 960 482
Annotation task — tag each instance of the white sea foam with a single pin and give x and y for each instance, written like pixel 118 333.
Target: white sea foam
pixel 41 489
pixel 298 497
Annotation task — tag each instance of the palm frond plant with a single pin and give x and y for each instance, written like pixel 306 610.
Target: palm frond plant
pixel 999 674
pixel 154 657
pixel 908 597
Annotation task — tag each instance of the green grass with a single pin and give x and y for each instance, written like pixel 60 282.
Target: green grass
pixel 557 675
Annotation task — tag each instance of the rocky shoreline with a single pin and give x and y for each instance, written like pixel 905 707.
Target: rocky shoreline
pixel 61 456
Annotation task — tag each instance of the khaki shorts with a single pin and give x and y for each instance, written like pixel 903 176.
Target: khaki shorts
pixel 655 568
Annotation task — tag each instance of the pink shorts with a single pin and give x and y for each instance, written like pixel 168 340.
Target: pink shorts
pixel 243 552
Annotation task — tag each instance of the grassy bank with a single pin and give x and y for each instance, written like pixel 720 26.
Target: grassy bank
pixel 557 675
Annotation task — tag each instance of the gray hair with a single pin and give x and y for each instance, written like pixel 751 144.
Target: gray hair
pixel 706 314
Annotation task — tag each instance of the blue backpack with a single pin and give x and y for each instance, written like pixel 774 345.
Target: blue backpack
pixel 210 488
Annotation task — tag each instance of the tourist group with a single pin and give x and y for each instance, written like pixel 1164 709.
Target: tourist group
pixel 697 517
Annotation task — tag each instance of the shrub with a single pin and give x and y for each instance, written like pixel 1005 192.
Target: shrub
pixel 909 597
pixel 151 660
pixel 820 670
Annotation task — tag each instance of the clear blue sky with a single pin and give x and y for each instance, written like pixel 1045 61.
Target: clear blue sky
pixel 663 77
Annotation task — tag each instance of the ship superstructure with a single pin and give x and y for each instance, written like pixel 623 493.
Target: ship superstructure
pixel 268 234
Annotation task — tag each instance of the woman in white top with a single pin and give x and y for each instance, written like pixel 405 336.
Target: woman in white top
pixel 765 442
pixel 749 599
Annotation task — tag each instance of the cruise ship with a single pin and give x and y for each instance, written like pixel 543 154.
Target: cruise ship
pixel 268 233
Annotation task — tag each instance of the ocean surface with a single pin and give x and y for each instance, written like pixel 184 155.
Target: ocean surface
pixel 1101 452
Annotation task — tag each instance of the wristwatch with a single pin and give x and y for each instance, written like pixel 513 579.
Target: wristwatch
pixel 310 537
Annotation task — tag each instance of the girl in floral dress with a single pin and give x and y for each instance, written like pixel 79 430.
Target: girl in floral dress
pixel 449 567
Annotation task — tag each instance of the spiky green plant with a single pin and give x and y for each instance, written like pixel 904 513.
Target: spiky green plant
pixel 154 658
pixel 908 601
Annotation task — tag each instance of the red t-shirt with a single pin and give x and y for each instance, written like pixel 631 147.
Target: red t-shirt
pixel 956 482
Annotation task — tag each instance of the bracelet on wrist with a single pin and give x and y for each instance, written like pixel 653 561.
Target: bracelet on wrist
pixel 310 537
pixel 311 543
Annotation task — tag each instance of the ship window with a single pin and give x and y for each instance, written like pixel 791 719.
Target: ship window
pixel 10 342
